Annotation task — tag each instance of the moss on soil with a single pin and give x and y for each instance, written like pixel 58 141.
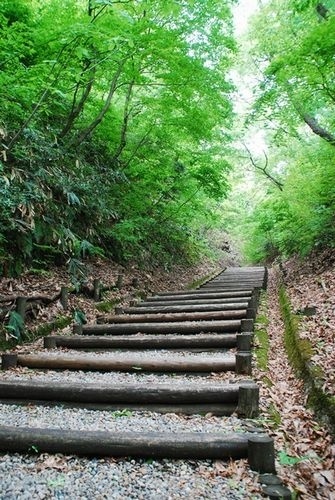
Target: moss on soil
pixel 32 335
pixel 107 305
pixel 263 342
pixel 201 281
pixel 299 352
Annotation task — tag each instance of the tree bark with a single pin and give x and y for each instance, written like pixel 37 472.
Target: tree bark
pixel 185 308
pixel 88 130
pixel 317 129
pixel 201 293
pixel 120 444
pixel 226 341
pixel 186 327
pixel 122 393
pixel 154 318
pixel 198 296
pixel 191 302
pixel 129 364
pixel 124 127
pixel 77 107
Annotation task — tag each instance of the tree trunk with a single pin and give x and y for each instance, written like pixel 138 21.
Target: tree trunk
pixel 88 130
pixel 318 130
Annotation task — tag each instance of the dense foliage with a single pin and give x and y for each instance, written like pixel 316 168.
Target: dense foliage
pixel 291 47
pixel 114 124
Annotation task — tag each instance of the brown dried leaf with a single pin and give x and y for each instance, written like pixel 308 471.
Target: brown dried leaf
pixel 53 462
pixel 324 478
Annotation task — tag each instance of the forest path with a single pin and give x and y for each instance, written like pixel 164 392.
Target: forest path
pixel 181 415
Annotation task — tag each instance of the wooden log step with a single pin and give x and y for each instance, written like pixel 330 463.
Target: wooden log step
pixel 119 362
pixel 153 309
pixel 244 396
pixel 227 288
pixel 239 293
pixel 204 300
pixel 231 287
pixel 172 317
pixel 242 271
pixel 182 327
pixel 237 278
pixel 236 282
pixel 199 294
pixel 167 341
pixel 141 444
pixel 236 274
pixel 189 393
pixel 223 399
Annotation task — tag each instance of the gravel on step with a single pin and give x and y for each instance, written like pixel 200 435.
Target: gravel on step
pixel 118 377
pixel 61 477
pixel 113 421
pixel 71 478
pixel 147 354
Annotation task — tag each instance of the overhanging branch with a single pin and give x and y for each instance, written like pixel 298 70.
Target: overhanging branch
pixel 263 169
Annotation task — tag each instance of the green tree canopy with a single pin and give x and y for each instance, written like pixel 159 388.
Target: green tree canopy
pixel 291 48
pixel 114 123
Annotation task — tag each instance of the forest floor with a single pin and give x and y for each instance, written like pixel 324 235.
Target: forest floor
pixel 49 282
pixel 305 450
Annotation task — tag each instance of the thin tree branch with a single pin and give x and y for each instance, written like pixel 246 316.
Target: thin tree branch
pixel 125 122
pixel 89 129
pixel 264 170
pixel 140 143
pixel 44 93
pixel 77 107
pixel 179 207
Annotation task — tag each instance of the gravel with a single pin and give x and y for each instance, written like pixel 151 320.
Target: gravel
pixel 147 354
pixel 59 477
pixel 67 477
pixel 117 377
pixel 113 421
pixel 44 476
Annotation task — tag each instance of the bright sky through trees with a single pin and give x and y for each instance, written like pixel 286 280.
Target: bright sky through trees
pixel 241 12
pixel 290 50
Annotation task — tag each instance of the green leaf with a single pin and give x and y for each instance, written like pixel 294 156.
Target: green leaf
pixel 80 317
pixel 15 326
pixel 33 448
pixel 72 199
pixel 285 459
pixel 122 413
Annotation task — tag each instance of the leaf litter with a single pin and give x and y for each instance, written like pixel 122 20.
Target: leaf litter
pixel 305 451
